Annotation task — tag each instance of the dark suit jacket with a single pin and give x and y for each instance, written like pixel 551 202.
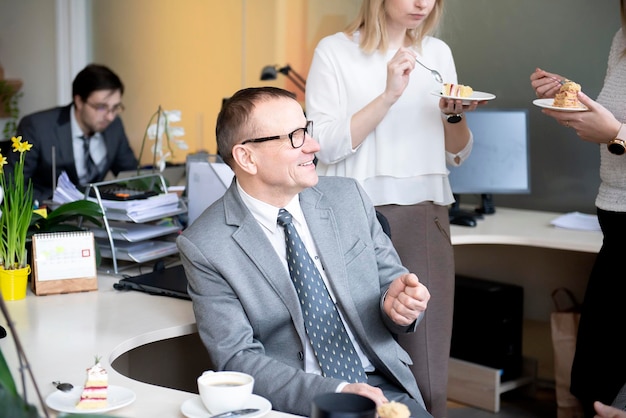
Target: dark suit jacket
pixel 247 309
pixel 52 127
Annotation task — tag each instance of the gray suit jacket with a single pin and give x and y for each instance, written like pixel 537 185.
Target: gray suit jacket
pixel 247 310
pixel 52 127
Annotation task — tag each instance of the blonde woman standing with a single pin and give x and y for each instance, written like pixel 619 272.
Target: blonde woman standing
pixel 377 120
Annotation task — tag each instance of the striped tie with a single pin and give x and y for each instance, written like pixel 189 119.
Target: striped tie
pixel 90 165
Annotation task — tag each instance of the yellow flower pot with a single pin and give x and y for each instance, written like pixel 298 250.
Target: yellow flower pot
pixel 13 283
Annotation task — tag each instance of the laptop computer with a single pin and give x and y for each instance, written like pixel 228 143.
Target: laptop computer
pixel 170 281
pixel 206 182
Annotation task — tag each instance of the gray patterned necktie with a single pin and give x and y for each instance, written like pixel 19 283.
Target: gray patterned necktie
pixel 332 346
pixel 90 165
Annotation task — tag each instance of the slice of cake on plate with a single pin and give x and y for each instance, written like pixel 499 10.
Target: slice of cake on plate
pixel 456 90
pixel 567 95
pixel 94 394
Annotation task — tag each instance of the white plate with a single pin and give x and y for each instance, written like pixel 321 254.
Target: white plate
pixel 194 408
pixel 477 95
pixel 117 397
pixel 547 103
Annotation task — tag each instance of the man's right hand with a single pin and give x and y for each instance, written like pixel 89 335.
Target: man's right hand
pixel 363 389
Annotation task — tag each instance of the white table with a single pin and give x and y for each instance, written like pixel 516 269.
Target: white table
pixel 62 334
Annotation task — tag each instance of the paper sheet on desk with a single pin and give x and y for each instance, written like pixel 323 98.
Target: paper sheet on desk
pixel 66 191
pixel 577 220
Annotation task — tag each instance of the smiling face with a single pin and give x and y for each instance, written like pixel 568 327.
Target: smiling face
pixel 273 171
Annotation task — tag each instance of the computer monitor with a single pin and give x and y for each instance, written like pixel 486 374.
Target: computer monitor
pixel 499 162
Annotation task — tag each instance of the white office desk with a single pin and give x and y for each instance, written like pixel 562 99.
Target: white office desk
pixel 527 228
pixel 62 334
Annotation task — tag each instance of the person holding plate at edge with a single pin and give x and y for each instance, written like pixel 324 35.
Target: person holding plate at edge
pixel 599 370
pixel 378 119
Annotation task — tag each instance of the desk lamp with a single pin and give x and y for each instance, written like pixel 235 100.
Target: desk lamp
pixel 270 72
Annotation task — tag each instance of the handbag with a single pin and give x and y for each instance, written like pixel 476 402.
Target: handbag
pixel 564 327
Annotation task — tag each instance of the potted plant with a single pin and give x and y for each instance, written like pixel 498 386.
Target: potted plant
pixel 17 212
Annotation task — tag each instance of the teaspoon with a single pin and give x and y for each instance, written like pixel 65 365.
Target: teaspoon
pixel 63 387
pixel 435 73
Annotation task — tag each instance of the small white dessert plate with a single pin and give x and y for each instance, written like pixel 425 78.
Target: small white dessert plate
pixel 547 103
pixel 194 408
pixel 476 95
pixel 117 397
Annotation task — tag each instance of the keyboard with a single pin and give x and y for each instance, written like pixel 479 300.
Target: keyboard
pixel 118 192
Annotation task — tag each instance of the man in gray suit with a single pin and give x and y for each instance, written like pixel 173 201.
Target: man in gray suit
pixel 246 306
pixel 86 138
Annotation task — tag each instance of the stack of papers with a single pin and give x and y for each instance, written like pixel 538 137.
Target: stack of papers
pixel 131 232
pixel 139 252
pixel 138 210
pixel 143 210
pixel 66 191
pixel 577 220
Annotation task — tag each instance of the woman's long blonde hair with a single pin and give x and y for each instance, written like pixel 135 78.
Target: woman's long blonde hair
pixel 371 22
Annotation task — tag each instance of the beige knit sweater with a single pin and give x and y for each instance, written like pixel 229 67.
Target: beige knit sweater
pixel 612 193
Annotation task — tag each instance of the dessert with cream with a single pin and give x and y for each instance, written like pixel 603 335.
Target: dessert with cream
pixel 393 409
pixel 567 95
pixel 456 90
pixel 94 394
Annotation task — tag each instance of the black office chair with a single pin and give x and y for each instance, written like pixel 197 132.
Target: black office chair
pixel 5 147
pixel 384 223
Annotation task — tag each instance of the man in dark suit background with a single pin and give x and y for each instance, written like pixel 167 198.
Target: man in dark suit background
pixel 86 138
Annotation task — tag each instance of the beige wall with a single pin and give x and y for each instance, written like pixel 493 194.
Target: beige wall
pixel 190 54
pixel 180 54
pixel 183 55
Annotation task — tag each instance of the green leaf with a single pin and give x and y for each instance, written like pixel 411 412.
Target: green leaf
pixel 65 217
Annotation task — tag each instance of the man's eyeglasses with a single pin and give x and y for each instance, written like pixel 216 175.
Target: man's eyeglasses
pixel 104 108
pixel 296 137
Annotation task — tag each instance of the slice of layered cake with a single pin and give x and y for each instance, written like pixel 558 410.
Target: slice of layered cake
pixel 456 90
pixel 567 95
pixel 94 394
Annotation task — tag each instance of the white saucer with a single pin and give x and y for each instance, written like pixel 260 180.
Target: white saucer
pixel 194 408
pixel 117 397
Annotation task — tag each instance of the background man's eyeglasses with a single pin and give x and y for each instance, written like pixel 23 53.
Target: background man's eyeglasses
pixel 296 137
pixel 104 108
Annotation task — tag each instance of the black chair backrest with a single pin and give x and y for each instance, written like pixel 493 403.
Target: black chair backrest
pixel 5 147
pixel 384 223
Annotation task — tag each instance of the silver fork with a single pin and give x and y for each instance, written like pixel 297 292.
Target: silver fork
pixel 561 82
pixel 435 73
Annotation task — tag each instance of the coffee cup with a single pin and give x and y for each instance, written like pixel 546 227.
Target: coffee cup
pixel 224 391
pixel 343 405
